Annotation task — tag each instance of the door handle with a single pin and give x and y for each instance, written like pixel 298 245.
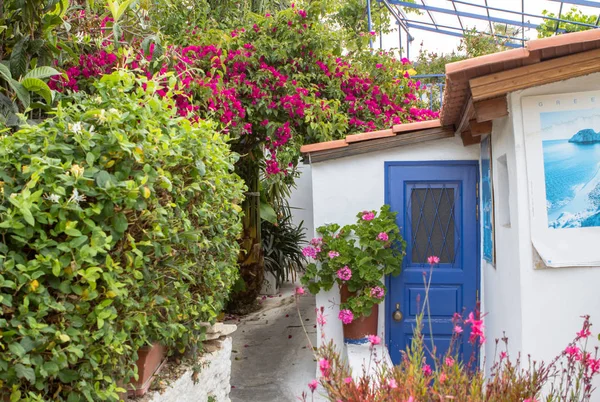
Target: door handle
pixel 397 315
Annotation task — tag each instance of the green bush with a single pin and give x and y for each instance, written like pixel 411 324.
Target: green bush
pixel 118 227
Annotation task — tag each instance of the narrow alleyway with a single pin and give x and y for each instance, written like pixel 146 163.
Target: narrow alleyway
pixel 271 359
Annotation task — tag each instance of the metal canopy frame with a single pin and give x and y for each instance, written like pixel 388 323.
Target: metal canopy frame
pixel 405 24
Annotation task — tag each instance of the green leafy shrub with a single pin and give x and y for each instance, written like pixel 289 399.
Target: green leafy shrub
pixel 358 256
pixel 118 227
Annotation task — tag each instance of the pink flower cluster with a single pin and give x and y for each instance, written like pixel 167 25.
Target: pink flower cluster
pixel 237 85
pixel 344 273
pixel 346 316
pixel 377 292
pixel 383 236
pixel 368 216
pixel 310 251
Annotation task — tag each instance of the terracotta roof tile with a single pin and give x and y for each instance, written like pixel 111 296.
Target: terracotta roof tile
pixel 371 135
pixel 322 146
pixel 420 125
pixel 561 40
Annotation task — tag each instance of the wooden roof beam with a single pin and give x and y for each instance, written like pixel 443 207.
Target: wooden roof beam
pixel 499 84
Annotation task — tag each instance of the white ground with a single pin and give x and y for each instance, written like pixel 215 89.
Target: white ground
pixel 269 366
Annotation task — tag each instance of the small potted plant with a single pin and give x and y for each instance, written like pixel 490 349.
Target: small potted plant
pixel 357 258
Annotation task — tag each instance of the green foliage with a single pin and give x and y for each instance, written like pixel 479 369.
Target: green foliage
pixel 550 28
pixel 371 249
pixel 118 227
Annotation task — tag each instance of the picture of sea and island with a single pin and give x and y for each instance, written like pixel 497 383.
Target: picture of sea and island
pixel 571 146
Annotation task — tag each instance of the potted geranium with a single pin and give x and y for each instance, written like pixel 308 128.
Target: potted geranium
pixel 357 258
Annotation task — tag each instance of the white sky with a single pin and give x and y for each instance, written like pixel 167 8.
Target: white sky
pixel 444 43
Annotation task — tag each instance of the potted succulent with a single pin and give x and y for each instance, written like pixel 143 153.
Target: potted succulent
pixel 357 258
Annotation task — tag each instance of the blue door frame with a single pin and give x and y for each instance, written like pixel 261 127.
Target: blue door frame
pixel 459 178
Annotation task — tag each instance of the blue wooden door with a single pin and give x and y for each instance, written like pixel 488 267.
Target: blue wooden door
pixel 436 204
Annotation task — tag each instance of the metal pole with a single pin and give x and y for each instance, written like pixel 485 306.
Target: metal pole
pixel 522 22
pixel 408 47
pixel 400 40
pixel 369 23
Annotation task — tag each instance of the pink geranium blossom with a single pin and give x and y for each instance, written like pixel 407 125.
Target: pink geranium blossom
pixel 344 273
pixel 333 254
pixel 377 292
pixel 346 316
pixel 368 216
pixel 309 252
pixel 383 236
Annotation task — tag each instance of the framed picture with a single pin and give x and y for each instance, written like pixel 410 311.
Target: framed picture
pixel 487 201
pixel 562 149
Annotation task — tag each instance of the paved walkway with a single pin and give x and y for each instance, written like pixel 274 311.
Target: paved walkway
pixel 271 359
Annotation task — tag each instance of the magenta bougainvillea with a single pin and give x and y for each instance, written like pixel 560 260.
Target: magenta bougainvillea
pixel 271 84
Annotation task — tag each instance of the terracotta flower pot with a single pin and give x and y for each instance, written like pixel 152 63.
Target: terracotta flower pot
pixel 357 331
pixel 150 360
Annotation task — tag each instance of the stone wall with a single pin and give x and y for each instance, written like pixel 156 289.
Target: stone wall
pixel 213 381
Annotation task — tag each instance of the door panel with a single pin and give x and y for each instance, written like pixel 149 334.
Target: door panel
pixel 436 204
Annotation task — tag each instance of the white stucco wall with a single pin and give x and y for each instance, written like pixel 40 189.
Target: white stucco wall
pixel 301 200
pixel 343 187
pixel 501 289
pixel 552 300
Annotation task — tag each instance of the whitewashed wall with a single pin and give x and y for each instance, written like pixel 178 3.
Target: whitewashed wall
pixel 343 187
pixel 552 300
pixel 301 200
pixel 501 288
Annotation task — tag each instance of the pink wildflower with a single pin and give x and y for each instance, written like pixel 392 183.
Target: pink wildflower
pixel 593 365
pixel 442 378
pixel 573 352
pixel 324 366
pixel 348 380
pixel 584 333
pixel 392 384
pixel 477 328
pixel 300 291
pixel 433 259
pixel 377 292
pixel 374 340
pixel 313 385
pixel 368 216
pixel 346 316
pixel 427 370
pixel 383 236
pixel 333 254
pixel 344 273
pixel 458 329
pixel 321 319
pixel 449 361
